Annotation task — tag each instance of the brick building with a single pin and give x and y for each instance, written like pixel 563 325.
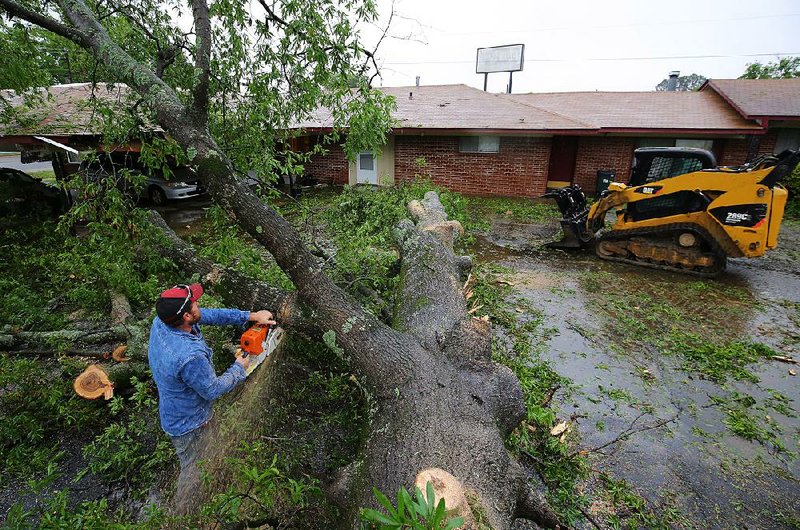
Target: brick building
pixel 480 143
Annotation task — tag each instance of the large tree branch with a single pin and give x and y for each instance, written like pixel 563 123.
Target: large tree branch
pixel 348 326
pixel 247 292
pixel 202 26
pixel 16 10
pixel 165 54
pixel 169 109
pixel 430 302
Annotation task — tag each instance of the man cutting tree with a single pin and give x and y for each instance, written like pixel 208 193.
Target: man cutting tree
pixel 182 367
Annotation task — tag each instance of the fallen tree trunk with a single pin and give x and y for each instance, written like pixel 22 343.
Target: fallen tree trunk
pixel 454 407
pixel 20 339
pixel 446 405
pixel 98 343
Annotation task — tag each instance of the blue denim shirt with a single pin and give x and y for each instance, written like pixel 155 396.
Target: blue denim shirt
pixel 183 372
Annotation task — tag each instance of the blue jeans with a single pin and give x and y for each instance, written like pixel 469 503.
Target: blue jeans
pixel 190 448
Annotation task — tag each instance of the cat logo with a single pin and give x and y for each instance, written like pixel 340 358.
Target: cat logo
pixel 648 190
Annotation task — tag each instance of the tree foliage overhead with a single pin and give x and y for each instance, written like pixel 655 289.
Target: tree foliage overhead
pixel 686 83
pixel 271 65
pixel 785 68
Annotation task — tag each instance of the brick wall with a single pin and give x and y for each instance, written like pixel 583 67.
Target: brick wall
pixel 602 153
pixel 519 169
pixel 735 150
pixel 331 168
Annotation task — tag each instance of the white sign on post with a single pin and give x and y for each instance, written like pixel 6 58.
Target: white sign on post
pixel 508 58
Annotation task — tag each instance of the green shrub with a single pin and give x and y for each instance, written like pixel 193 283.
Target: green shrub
pixel 37 408
pixel 419 513
pixel 134 448
pixel 46 273
pixel 361 222
pixel 261 489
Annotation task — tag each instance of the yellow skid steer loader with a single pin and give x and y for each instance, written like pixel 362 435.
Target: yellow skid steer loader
pixel 681 212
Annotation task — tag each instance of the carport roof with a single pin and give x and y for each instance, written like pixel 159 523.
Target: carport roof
pixel 62 110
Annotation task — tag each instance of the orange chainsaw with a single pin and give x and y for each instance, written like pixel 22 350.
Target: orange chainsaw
pixel 255 340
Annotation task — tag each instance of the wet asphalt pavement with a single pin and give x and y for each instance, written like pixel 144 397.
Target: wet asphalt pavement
pixel 680 455
pixel 13 161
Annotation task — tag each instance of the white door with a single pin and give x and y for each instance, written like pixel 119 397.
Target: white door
pixel 366 169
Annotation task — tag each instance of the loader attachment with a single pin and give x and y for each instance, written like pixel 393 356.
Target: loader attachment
pixel 571 202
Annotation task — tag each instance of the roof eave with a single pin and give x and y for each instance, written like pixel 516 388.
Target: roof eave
pixel 440 131
pixel 646 130
pixel 499 131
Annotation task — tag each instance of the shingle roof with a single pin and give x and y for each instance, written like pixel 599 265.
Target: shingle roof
pixel 760 97
pixel 62 110
pixel 642 110
pixel 463 107
pixel 459 107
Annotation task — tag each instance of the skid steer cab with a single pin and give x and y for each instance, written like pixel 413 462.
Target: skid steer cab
pixel 681 211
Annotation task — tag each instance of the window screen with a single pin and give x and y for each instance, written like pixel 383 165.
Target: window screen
pixel 366 162
pixel 479 144
pixel 699 144
pixel 787 139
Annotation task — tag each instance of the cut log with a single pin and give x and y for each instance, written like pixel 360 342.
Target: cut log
pixel 447 487
pixel 119 354
pixel 93 383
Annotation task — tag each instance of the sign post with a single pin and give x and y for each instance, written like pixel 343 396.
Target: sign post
pixel 509 58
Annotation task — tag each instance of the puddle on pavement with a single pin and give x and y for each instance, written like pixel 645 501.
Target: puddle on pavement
pixel 692 462
pixel 185 217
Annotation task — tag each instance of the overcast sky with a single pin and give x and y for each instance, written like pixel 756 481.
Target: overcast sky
pixel 583 45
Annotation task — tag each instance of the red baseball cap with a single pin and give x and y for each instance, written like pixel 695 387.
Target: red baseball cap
pixel 176 301
pixel 182 291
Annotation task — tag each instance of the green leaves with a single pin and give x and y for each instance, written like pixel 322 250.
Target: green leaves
pixel 260 488
pixel 418 513
pixel 784 68
pixel 133 448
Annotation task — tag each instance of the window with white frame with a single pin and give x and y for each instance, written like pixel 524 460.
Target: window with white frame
pixel 479 144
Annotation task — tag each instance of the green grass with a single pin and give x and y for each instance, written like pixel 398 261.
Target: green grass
pixel 715 361
pixel 747 418
pixel 561 469
pixel 481 209
pixel 47 175
pixel 698 324
pixel 631 510
pixel 677 317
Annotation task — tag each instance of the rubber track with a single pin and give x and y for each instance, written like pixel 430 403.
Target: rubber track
pixel 617 235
